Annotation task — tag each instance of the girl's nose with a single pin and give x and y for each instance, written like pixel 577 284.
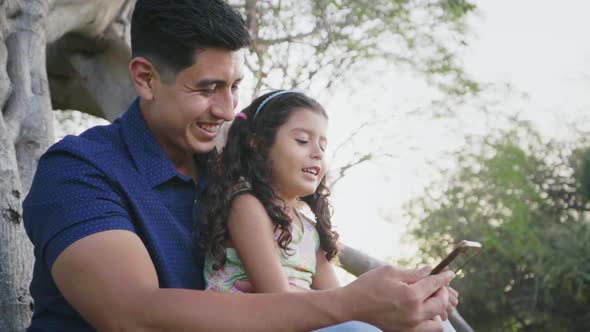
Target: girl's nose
pixel 318 153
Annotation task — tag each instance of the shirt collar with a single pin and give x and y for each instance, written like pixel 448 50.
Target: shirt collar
pixel 147 154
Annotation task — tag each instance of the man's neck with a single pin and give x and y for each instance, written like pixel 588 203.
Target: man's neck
pixel 183 160
pixel 188 169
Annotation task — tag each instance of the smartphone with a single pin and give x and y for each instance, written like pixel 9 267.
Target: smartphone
pixel 462 253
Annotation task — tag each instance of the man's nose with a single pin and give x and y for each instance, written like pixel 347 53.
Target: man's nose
pixel 224 106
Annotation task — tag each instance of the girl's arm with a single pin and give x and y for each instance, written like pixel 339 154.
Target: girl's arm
pixel 325 275
pixel 252 235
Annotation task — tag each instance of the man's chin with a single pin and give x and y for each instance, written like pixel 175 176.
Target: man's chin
pixel 203 147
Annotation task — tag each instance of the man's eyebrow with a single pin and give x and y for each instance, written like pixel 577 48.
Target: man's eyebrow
pixel 207 82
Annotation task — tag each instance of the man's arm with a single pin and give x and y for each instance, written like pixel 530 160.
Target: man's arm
pixel 110 279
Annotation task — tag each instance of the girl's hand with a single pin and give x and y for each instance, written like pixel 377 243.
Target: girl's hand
pixel 293 288
pixel 244 286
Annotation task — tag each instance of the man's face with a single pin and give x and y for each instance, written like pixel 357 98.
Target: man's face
pixel 186 115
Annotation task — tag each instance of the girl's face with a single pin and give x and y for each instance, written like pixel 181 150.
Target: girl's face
pixel 297 155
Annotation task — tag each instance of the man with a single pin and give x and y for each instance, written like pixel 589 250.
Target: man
pixel 111 212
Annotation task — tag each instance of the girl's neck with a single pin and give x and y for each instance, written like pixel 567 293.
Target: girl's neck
pixel 289 202
pixel 289 205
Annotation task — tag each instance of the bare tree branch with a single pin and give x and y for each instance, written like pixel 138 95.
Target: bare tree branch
pixel 341 171
pixel 291 38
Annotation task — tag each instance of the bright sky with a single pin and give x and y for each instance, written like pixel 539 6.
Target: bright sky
pixel 539 47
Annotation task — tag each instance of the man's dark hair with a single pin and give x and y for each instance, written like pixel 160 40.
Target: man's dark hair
pixel 169 33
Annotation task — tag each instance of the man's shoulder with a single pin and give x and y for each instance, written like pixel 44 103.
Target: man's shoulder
pixel 97 137
pixel 93 159
pixel 99 146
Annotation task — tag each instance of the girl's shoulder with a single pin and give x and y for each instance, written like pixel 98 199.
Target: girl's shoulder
pixel 242 186
pixel 246 200
pixel 247 211
pixel 240 195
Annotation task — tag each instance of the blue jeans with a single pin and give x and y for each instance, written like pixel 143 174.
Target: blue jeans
pixel 355 326
pixel 352 326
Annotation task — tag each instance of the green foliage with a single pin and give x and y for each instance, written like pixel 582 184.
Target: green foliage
pixel 584 173
pixel 527 202
pixel 294 40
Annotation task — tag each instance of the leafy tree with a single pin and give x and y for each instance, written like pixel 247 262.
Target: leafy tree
pixel 297 42
pixel 527 201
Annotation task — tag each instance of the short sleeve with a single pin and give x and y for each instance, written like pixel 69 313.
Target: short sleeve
pixel 69 200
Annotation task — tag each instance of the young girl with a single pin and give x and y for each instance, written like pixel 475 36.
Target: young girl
pixel 272 164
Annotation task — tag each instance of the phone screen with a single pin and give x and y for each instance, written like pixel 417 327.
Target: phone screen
pixel 462 253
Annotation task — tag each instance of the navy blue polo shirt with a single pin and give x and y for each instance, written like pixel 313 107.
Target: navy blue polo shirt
pixel 110 177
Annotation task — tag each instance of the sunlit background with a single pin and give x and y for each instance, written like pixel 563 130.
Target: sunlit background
pixel 531 59
pixel 534 60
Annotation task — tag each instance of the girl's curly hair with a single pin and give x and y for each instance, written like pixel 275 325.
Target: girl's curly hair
pixel 245 156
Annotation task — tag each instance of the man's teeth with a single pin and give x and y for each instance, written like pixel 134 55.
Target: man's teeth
pixel 310 171
pixel 212 128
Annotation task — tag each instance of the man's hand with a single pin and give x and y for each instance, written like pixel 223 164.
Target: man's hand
pixel 453 300
pixel 453 294
pixel 396 300
pixel 432 325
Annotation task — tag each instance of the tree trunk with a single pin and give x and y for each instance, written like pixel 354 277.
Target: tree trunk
pixel 26 122
pixel 25 133
pixel 88 69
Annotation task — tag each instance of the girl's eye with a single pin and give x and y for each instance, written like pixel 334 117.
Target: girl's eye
pixel 301 141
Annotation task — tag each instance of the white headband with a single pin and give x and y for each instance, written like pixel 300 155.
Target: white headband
pixel 265 101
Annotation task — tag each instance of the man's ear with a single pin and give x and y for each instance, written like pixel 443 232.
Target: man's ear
pixel 143 76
